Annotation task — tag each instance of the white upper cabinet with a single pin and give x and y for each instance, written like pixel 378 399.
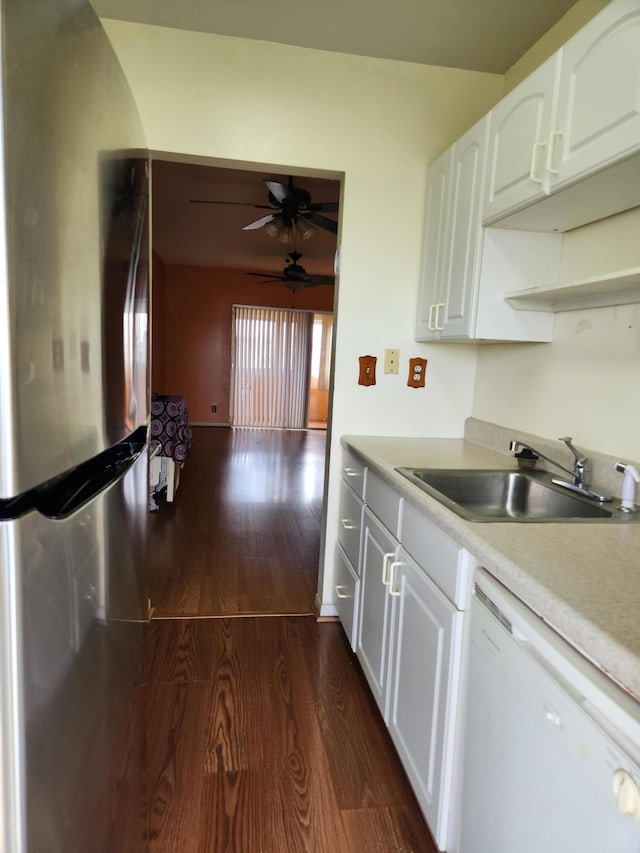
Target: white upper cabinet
pixel 464 244
pixel 598 119
pixel 435 246
pixel 564 145
pixel 466 269
pixel 519 131
pixel 452 238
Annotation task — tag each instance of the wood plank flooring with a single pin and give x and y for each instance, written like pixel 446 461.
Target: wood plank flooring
pixel 243 534
pixel 263 738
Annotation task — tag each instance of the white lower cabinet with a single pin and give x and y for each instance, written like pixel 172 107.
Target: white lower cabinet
pixel 425 664
pixel 410 643
pixel 346 573
pixel 379 549
pixel 347 589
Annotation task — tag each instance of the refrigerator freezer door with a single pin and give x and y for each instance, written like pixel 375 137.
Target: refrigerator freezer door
pixel 73 267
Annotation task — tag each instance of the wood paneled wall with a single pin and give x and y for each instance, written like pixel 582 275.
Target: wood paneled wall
pixel 191 328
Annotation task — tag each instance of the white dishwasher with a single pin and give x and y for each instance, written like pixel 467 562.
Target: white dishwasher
pixel 552 746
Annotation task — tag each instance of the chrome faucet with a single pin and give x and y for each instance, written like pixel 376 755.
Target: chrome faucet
pixel 579 475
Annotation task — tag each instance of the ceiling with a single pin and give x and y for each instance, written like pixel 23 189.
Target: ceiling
pixel 185 232
pixel 479 35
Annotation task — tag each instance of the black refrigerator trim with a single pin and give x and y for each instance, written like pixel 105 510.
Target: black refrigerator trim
pixel 65 493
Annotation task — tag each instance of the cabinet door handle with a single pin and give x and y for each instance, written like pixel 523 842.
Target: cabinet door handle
pixel 534 162
pixel 392 569
pixel 555 134
pixel 385 566
pixel 340 592
pixel 438 327
pixel 432 308
pixel 350 472
pixel 347 524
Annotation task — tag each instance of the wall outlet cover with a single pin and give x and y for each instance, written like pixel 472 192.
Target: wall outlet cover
pixel 417 372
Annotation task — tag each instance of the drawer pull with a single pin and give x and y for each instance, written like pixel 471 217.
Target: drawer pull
pixel 348 524
pixel 340 592
pixel 350 472
pixel 385 566
pixel 392 569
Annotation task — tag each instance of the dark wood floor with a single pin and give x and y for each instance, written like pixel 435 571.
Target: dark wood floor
pixel 243 534
pixel 262 734
pixel 264 737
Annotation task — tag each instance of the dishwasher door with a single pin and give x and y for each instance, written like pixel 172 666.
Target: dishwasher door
pixel 538 769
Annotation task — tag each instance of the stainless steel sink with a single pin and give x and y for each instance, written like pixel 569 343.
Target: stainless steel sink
pixel 509 496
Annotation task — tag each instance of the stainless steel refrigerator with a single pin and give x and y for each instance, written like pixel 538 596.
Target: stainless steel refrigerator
pixel 73 436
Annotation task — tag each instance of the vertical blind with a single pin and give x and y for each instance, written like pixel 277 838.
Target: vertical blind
pixel 271 367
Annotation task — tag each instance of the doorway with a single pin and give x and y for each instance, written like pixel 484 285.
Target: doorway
pixel 194 290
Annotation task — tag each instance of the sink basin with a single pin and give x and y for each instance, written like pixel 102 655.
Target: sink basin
pixel 509 496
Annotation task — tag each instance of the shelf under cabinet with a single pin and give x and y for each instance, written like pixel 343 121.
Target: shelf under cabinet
pixel 617 288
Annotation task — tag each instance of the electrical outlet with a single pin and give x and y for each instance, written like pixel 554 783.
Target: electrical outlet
pixel 391 361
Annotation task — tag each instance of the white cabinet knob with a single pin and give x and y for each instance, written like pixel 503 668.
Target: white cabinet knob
pixel 625 790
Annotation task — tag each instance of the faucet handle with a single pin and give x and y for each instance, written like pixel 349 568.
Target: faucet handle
pixel 580 457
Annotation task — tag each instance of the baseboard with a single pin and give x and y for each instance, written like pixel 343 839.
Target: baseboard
pixel 206 424
pixel 324 612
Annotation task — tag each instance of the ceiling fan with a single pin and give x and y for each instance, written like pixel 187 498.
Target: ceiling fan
pixel 294 275
pixel 291 207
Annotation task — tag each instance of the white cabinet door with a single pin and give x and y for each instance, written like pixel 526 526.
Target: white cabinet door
pixel 424 681
pixel 452 239
pixel 598 119
pixel 379 548
pixel 350 523
pixel 434 249
pixel 464 242
pixel 346 587
pixel 519 131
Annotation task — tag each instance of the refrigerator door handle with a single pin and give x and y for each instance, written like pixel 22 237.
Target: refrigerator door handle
pixel 64 494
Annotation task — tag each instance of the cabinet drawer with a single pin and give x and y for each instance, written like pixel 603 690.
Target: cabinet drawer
pixel 350 524
pixel 354 472
pixel 346 591
pixel 384 503
pixel 447 564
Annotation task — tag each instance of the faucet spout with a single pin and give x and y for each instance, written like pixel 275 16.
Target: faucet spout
pixel 517 446
pixel 579 475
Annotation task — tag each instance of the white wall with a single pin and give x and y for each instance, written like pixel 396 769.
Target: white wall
pixel 377 122
pixel 585 383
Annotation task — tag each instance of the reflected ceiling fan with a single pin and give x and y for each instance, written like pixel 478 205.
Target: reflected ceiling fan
pixel 295 276
pixel 291 207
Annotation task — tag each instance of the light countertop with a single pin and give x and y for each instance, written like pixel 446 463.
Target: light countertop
pixel 582 578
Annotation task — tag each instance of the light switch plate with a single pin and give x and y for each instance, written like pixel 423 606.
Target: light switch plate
pixel 392 361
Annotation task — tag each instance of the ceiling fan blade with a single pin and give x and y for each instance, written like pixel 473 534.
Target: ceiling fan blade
pixel 267 276
pixel 259 222
pixel 322 222
pixel 326 206
pixel 277 190
pixel 323 279
pixel 241 203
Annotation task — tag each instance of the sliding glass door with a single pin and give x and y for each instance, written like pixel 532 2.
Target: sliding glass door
pixel 271 352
